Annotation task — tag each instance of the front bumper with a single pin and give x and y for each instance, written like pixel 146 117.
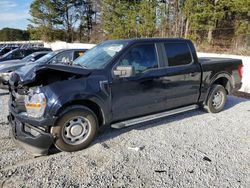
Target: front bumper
pixel 37 145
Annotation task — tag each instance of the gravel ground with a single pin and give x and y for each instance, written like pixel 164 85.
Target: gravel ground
pixel 193 149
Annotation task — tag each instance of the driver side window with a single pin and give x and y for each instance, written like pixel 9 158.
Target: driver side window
pixel 141 58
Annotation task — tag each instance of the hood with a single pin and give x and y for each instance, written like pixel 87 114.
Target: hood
pixel 10 62
pixel 10 65
pixel 44 74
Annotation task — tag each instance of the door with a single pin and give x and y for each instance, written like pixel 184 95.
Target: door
pixel 183 75
pixel 141 93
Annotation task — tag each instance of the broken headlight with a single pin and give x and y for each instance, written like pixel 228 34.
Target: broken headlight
pixel 35 104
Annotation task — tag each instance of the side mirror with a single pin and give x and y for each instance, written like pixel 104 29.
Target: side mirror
pixel 124 71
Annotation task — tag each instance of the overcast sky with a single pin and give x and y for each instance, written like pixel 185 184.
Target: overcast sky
pixel 14 13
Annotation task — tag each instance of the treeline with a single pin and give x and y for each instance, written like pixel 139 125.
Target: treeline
pixel 217 24
pixel 9 34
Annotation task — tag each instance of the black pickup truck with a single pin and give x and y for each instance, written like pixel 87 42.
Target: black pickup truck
pixel 117 83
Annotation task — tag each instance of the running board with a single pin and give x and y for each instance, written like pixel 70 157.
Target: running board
pixel 130 122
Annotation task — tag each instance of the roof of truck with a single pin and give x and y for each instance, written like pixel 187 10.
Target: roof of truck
pixel 150 40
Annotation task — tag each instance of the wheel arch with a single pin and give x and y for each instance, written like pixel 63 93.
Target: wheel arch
pixel 93 106
pixel 223 79
pixel 225 82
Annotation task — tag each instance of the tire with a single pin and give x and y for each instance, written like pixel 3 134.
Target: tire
pixel 75 129
pixel 216 99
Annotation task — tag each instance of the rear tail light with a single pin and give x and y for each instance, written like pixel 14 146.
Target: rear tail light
pixel 240 70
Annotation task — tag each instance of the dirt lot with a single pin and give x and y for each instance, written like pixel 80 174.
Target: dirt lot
pixel 194 149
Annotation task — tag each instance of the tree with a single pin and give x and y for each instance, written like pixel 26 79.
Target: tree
pixel 203 16
pixel 45 18
pixel 86 16
pixel 147 18
pixel 67 16
pixel 50 17
pixel 126 19
pixel 241 13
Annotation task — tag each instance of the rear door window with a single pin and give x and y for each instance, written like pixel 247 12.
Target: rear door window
pixel 178 54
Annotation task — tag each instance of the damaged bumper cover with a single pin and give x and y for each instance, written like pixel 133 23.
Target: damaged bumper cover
pixel 31 138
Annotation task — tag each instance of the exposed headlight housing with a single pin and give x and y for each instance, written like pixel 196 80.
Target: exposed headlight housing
pixel 35 104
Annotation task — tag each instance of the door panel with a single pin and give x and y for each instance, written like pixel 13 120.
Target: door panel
pixel 182 88
pixel 139 94
pixel 185 89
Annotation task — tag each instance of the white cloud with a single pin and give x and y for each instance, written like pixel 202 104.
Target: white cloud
pixel 6 5
pixel 14 14
pixel 7 17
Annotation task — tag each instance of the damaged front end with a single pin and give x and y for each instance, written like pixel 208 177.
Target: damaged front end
pixel 29 106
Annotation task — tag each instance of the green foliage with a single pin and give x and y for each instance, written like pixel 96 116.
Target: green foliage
pixel 127 19
pixel 207 16
pixel 9 34
pixel 51 17
pixel 241 10
pixel 45 19
pixel 147 18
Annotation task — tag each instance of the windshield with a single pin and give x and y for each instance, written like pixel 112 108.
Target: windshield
pixel 46 58
pixel 99 56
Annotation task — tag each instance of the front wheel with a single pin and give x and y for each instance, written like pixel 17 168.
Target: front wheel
pixel 216 99
pixel 75 130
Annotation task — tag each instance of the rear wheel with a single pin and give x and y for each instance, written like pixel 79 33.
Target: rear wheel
pixel 75 130
pixel 216 99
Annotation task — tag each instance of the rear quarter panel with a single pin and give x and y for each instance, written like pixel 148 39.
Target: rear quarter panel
pixel 215 68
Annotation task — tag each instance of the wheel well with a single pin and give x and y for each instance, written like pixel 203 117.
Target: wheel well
pixel 225 83
pixel 89 104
